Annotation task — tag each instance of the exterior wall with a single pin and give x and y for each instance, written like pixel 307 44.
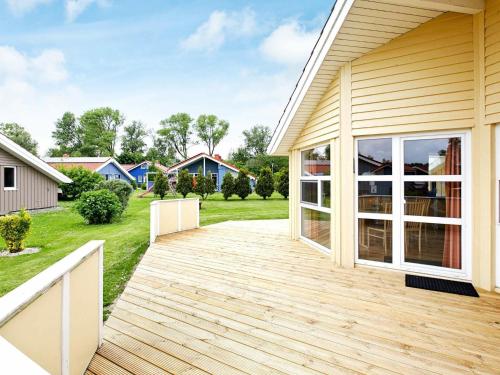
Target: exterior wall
pixel 492 61
pixel 111 169
pixel 34 189
pixel 138 171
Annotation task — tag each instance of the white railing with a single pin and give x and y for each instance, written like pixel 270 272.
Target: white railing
pixel 173 215
pixel 55 318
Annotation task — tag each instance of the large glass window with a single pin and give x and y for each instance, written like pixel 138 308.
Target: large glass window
pixel 315 195
pixel 9 178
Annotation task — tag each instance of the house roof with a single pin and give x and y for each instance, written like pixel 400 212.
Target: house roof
pixel 92 163
pixel 130 167
pixel 196 157
pixel 354 28
pixel 19 152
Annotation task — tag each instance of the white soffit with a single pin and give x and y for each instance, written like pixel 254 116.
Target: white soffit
pixel 353 29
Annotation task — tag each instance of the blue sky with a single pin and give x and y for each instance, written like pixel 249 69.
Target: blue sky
pixel 237 59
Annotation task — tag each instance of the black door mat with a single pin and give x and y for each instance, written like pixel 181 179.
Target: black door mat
pixel 441 285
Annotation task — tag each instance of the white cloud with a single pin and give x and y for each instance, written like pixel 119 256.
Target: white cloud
pixel 76 7
pixel 289 44
pixel 220 26
pixel 20 7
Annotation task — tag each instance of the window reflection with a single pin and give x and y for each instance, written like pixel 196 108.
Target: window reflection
pixel 325 194
pixel 316 226
pixel 375 196
pixel 440 156
pixel 375 156
pixel 309 192
pixel 375 240
pixel 316 162
pixel 433 198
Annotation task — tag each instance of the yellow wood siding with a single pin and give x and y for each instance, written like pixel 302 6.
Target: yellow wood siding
pixel 424 78
pixel 324 122
pixel 492 61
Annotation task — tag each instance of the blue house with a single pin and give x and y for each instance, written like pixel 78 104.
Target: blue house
pixel 212 166
pixel 138 171
pixel 108 167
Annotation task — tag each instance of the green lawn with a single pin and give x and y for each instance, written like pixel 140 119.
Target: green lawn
pixel 60 232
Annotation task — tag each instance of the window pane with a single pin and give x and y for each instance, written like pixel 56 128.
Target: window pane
pixel 375 156
pixel 309 191
pixel 9 178
pixel 316 226
pixel 432 198
pixel 375 196
pixel 433 244
pixel 325 193
pixel 316 162
pixel 375 240
pixel 440 156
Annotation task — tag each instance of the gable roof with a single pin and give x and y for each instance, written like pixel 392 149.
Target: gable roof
pixel 93 163
pixel 130 167
pixel 19 152
pixel 353 29
pixel 196 157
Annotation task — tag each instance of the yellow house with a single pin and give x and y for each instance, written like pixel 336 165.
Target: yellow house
pixel 392 138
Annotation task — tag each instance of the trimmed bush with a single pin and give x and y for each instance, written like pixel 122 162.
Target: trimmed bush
pixel 282 182
pixel 242 184
pixel 203 186
pixel 227 186
pixel 144 186
pixel 160 186
pixel 120 188
pixel 184 183
pixel 99 206
pixel 133 184
pixel 265 183
pixel 83 180
pixel 14 229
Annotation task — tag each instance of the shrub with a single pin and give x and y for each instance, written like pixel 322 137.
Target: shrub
pixel 144 186
pixel 83 180
pixel 133 184
pixel 184 183
pixel 160 186
pixel 99 206
pixel 119 187
pixel 282 182
pixel 203 186
pixel 227 185
pixel 242 184
pixel 14 229
pixel 265 183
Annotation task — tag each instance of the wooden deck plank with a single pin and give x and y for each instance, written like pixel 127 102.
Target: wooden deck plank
pixel 240 297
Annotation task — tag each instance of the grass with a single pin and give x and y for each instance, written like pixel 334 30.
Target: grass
pixel 60 232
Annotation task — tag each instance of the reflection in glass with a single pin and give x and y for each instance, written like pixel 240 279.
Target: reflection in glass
pixel 433 244
pixel 375 240
pixel 375 156
pixel 316 226
pixel 375 196
pixel 433 198
pixel 309 191
pixel 325 194
pixel 316 162
pixel 440 156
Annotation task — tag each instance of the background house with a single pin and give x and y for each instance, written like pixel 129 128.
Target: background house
pixel 25 180
pixel 138 171
pixel 213 166
pixel 108 167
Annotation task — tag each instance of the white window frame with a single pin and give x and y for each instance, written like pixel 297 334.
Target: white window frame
pixel 15 178
pixel 315 207
pixel 140 178
pixel 398 218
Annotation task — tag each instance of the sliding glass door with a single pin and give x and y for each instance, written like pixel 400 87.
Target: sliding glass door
pixel 411 203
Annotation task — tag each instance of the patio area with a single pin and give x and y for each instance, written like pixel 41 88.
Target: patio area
pixel 241 298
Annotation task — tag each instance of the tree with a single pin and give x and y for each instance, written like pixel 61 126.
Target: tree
pixel 161 151
pixel 203 186
pixel 227 186
pixel 257 139
pixel 242 184
pixel 276 163
pixel 160 186
pixel 67 136
pixel 239 157
pixel 83 180
pixel 19 135
pixel 133 143
pixel 282 182
pixel 100 131
pixel 177 132
pixel 211 130
pixel 184 183
pixel 265 183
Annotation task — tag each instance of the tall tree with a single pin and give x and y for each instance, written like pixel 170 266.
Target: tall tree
pixel 177 132
pixel 19 135
pixel 256 139
pixel 68 134
pixel 161 151
pixel 211 130
pixel 100 131
pixel 133 143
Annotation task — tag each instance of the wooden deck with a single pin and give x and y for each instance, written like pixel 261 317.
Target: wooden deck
pixel 240 298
